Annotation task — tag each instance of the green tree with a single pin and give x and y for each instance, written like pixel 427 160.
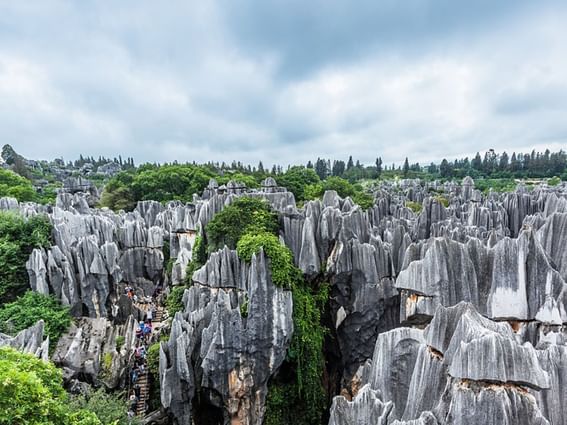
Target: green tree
pixel 31 393
pixel 245 214
pixel 406 167
pixel 295 180
pixel 16 186
pixel 378 167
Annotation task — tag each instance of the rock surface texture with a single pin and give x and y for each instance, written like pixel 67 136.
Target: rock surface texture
pixel 451 315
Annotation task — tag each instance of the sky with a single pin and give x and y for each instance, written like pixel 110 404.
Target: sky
pixel 282 81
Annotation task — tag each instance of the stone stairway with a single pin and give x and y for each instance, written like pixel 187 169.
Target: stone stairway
pixel 144 379
pixel 144 383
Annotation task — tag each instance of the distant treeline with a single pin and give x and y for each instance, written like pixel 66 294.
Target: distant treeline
pixel 489 165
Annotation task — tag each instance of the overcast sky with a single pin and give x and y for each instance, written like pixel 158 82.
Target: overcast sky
pixel 282 81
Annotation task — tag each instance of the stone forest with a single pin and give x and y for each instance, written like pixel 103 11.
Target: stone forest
pixel 435 303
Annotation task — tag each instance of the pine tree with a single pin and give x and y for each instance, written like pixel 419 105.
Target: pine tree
pixel 503 165
pixel 321 168
pixel 476 163
pixel 378 167
pixel 350 163
pixel 445 169
pixel 406 167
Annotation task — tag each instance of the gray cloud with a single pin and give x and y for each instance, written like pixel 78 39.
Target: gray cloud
pixel 281 81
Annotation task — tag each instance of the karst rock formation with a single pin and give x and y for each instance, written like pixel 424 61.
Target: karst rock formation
pixel 451 315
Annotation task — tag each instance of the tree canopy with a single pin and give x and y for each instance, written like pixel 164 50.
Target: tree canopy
pixel 32 393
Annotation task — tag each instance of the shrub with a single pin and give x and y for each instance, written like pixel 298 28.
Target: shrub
pixel 31 307
pixel 442 200
pixel 554 181
pixel 120 340
pixel 111 409
pixel 15 186
pixel 159 183
pixel 416 207
pixel 32 393
pixel 18 237
pixel 296 179
pixel 244 308
pixel 244 215
pixel 284 272
pixel 152 358
pixel 174 301
pixel 364 200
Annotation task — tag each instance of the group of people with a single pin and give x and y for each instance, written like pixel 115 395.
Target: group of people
pixel 137 370
pixel 139 366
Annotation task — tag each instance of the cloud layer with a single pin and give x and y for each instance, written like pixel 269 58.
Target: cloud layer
pixel 282 81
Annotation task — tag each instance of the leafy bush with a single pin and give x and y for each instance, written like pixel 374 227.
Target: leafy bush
pixel 18 237
pixel 284 272
pixel 32 393
pixel 313 191
pixel 120 340
pixel 248 180
pixel 295 180
pixel 15 186
pixel 416 207
pixel 497 185
pixel 159 183
pixel 174 301
pixel 442 200
pixel 244 308
pixel 31 307
pixel 111 409
pixel 244 215
pixel 152 359
pixel 554 181
pixel 364 200
pixel 343 188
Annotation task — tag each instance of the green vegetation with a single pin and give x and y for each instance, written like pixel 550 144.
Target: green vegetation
pixel 198 260
pixel 158 183
pixel 442 200
pixel 174 301
pixel 296 179
pixel 496 185
pixel 152 358
pixel 16 186
pixel 554 181
pixel 244 215
pixel 416 207
pixel 111 409
pixel 18 237
pixel 244 308
pixel 31 307
pixel 343 188
pixel 284 273
pixel 299 397
pixel 120 340
pixel 32 393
